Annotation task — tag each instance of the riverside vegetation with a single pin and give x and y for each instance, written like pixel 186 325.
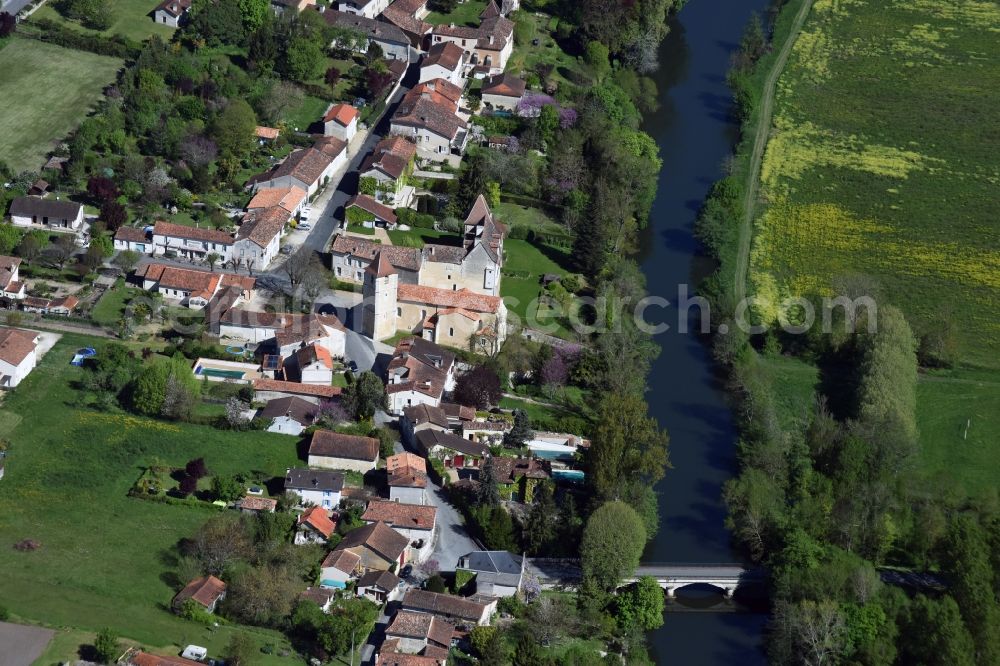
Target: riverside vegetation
pixel 874 182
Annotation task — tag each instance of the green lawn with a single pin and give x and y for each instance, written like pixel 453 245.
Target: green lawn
pixel 516 215
pixel 130 18
pixel 525 264
pixel 54 88
pixel 958 415
pixel 794 382
pixel 105 559
pixel 310 111
pixel 883 161
pixel 526 57
pixel 417 237
pixel 109 309
pixel 466 13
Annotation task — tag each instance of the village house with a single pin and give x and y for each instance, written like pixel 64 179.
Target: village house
pixel 191 288
pixel 429 116
pixel 11 286
pixel 18 355
pixel 50 213
pixel 488 47
pixel 289 199
pixel 258 239
pixel 313 365
pixel 422 416
pixel 133 240
pixel 318 487
pixel 378 547
pixel 461 610
pixel 416 522
pixel 413 633
pixel 488 432
pixel 319 596
pixel 306 168
pixel 136 657
pixel 177 240
pixel 406 475
pixel 408 15
pixel 341 121
pixel 371 213
pixel 206 591
pixel 338 568
pixel 63 305
pixel 420 372
pixel 380 586
pixel 351 255
pixel 367 8
pixel 458 415
pixel 254 504
pixel 272 389
pixel 334 450
pixel 502 92
pixel 453 451
pixel 288 416
pixel 283 333
pixel 444 60
pixel 314 526
pixel 265 134
pixel 172 12
pixel 385 172
pixel 518 477
pixel 394 43
pixel 498 573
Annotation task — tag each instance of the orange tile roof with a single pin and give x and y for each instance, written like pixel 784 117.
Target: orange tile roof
pixel 266 132
pixel 205 590
pixel 252 503
pixel 162 228
pixel 288 198
pixel 447 298
pixel 141 658
pixel 397 514
pixel 16 344
pixel 342 113
pixel 318 519
pixel 407 459
pixel 314 352
pixel 294 387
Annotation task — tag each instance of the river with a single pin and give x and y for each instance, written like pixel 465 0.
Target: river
pixel 695 134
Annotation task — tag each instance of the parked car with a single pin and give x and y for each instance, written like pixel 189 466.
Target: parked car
pixel 304 226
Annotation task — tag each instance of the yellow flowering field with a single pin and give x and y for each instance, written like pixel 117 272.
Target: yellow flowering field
pixel 883 160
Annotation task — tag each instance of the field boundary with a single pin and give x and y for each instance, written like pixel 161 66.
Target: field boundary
pixel 761 135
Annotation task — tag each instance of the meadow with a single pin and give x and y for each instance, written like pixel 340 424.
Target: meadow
pixel 106 559
pixel 882 161
pixel 129 18
pixel 54 88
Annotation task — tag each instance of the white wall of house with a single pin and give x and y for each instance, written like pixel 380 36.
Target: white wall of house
pixel 360 8
pixel 190 247
pixel 429 145
pixel 13 374
pixel 141 248
pixel 333 128
pixel 329 462
pixel 403 399
pixel 316 373
pixel 436 71
pixel 163 18
pixel 252 334
pixel 261 256
pixel 328 499
pixel 52 222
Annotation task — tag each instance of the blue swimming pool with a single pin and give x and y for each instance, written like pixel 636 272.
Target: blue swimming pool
pixel 572 475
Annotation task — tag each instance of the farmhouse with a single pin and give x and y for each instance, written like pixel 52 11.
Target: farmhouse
pixel 192 288
pixel 172 12
pixel 498 573
pixel 414 632
pixel 269 389
pixel 338 567
pixel 334 450
pixel 407 478
pixel 313 365
pixel 370 212
pixel 259 237
pixel 283 333
pixel 314 526
pixel 305 168
pixel 452 450
pixel 319 487
pixel 341 121
pixel 254 504
pixel 51 213
pixel 422 416
pixel 206 591
pixel 18 355
pixel 350 256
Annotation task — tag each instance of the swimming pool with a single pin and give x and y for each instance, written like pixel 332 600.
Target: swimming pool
pixel 228 374
pixel 572 475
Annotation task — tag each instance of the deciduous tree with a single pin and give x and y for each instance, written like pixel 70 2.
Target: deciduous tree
pixel 366 396
pixel 612 545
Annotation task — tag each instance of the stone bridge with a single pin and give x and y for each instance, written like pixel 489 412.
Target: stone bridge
pixel 670 575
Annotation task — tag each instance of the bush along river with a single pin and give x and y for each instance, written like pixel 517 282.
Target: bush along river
pixel 695 132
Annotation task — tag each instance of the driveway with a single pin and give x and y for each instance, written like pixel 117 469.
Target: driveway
pixel 21 645
pixel 452 541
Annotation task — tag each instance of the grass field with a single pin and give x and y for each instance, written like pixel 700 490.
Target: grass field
pixel 54 88
pixel 946 405
pixel 110 308
pixel 516 215
pixel 466 13
pixel 794 382
pixel 521 286
pixel 526 57
pixel 130 18
pixel 882 161
pixel 105 558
